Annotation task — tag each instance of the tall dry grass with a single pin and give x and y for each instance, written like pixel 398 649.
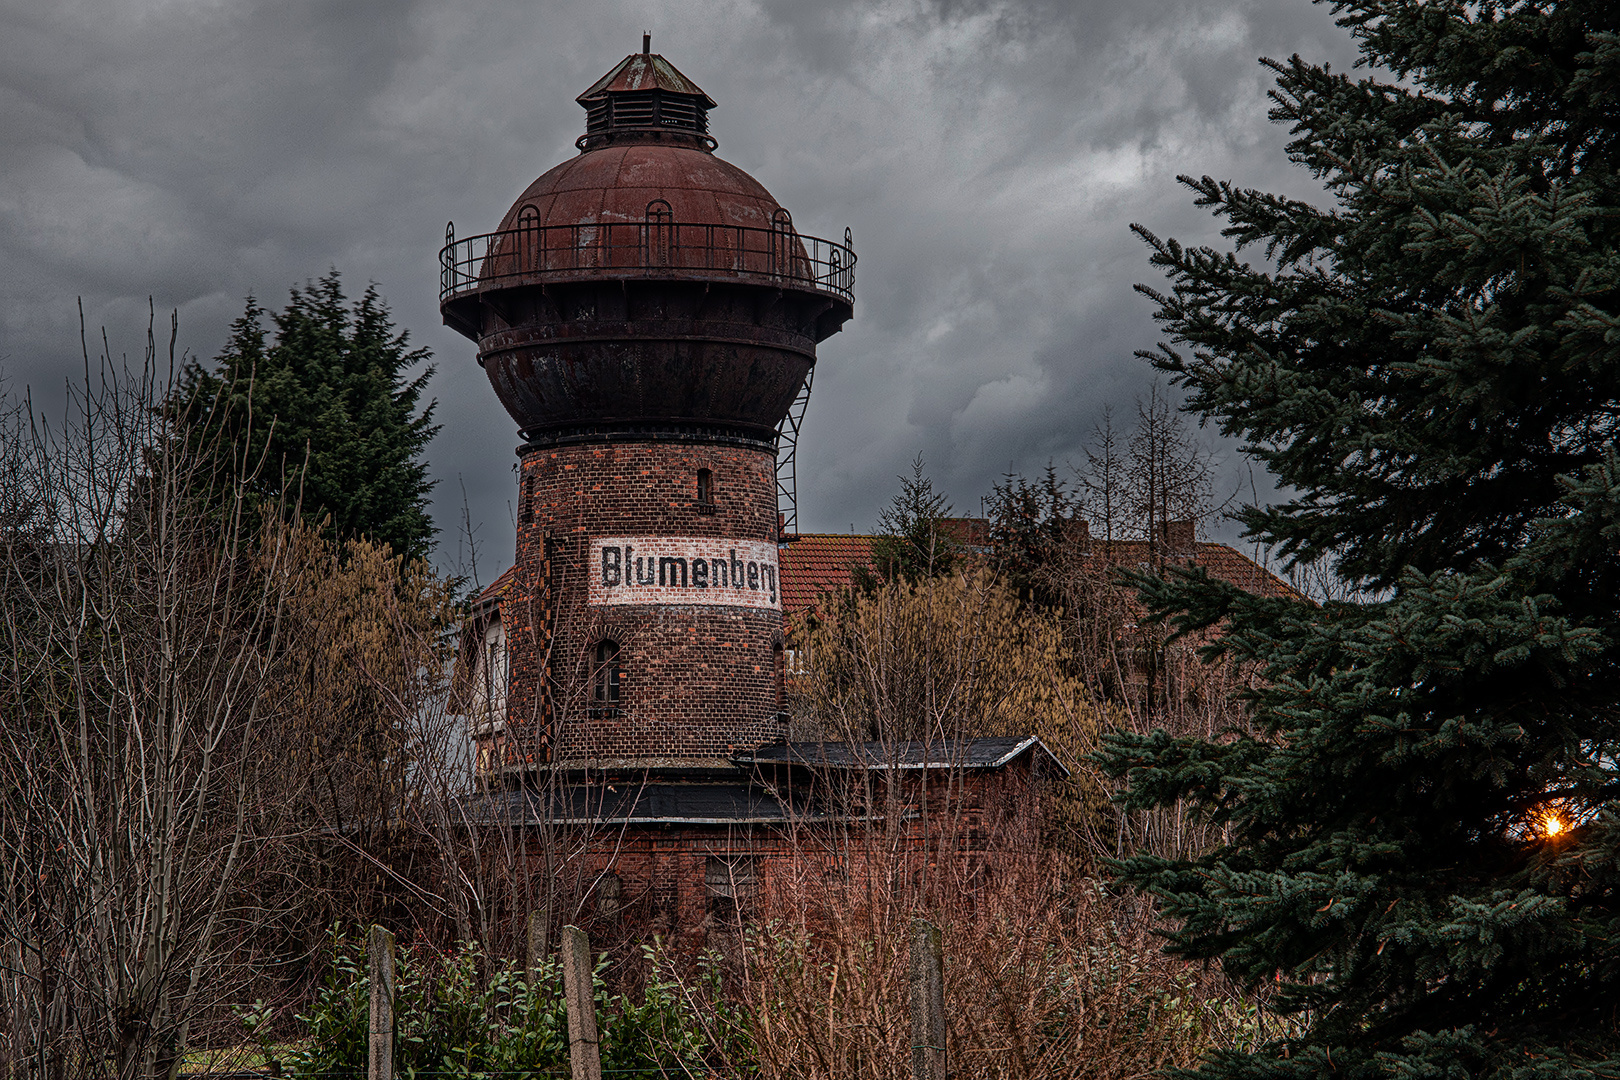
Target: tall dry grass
pixel 1047 974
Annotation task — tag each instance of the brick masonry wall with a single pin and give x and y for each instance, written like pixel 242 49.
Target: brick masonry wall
pixel 661 872
pixel 699 680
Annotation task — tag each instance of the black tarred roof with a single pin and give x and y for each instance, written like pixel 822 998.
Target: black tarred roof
pixel 990 752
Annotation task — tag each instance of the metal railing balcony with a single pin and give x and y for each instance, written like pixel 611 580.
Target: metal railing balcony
pixel 656 247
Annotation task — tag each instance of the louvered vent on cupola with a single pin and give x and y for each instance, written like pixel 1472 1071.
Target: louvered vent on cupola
pixel 645 98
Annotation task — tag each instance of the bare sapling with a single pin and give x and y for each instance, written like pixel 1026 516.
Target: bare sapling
pixel 141 620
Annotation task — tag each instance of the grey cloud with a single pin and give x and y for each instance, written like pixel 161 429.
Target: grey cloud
pixel 988 157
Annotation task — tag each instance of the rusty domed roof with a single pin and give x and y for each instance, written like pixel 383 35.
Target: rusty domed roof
pixel 617 183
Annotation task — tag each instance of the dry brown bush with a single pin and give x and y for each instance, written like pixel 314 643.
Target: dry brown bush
pixel 952 658
pixel 138 827
pixel 1046 974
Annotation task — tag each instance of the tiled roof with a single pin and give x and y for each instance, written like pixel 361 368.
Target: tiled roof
pixel 497 588
pixel 1224 563
pixel 820 562
pixel 814 563
pixel 1231 565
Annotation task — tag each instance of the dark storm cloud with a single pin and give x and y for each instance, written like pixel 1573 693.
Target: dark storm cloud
pixel 987 156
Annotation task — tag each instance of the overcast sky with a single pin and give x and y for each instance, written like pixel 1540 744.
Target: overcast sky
pixel 989 158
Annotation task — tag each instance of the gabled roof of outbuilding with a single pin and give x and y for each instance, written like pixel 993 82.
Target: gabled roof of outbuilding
pixel 989 752
pixel 496 591
pixel 1223 563
pixel 634 804
pixel 644 71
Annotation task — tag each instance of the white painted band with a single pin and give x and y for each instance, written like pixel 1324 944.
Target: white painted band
pixel 683 570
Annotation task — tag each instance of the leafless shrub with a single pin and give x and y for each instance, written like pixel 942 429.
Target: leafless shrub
pixel 944 660
pixel 140 628
pixel 1046 974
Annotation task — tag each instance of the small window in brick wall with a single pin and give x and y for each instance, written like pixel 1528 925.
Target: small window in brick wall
pixel 729 885
pixel 607 677
pixel 732 877
pixel 705 491
pixel 526 501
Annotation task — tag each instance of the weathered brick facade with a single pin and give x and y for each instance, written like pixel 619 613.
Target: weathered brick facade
pixel 697 681
pixel 627 874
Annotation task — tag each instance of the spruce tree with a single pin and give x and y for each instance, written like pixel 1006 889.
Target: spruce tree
pixel 325 413
pixel 1029 525
pixel 1423 845
pixel 913 540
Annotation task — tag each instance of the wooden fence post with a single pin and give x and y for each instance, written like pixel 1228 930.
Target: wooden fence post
pixel 927 1002
pixel 380 950
pixel 584 1054
pixel 539 920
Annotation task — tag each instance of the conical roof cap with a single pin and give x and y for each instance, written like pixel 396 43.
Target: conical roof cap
pixel 641 72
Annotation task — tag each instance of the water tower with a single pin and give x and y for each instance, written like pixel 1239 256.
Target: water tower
pixel 648 315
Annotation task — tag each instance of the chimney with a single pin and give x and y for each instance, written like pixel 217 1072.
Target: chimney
pixel 1177 535
pixel 646 44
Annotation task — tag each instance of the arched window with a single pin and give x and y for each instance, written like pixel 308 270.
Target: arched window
pixel 607 678
pixel 659 235
pixel 528 240
pixel 705 486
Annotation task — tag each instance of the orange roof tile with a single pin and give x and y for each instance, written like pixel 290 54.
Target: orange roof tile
pixel 1231 565
pixel 497 588
pixel 819 562
pixel 814 563
pixel 1223 562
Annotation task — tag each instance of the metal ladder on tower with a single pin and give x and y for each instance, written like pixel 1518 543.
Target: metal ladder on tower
pixel 787 476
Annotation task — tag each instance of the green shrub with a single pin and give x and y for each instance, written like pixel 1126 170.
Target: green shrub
pixel 451 1019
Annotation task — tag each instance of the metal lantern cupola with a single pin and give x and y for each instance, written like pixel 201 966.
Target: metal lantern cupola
pixel 645 98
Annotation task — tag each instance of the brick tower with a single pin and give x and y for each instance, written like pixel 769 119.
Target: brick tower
pixel 648 315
